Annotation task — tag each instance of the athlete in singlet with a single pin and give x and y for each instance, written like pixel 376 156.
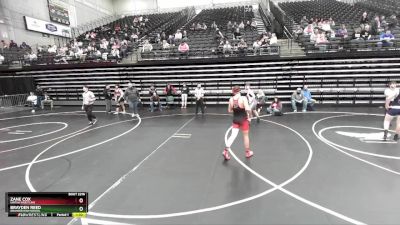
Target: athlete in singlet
pixel 392 106
pixel 251 97
pixel 241 120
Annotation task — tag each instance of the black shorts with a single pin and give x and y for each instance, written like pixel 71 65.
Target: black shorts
pixel 393 112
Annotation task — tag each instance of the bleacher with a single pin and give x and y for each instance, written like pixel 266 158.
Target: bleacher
pixel 203 43
pixel 332 81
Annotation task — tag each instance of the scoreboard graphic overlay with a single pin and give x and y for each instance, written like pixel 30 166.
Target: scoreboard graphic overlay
pixel 46 204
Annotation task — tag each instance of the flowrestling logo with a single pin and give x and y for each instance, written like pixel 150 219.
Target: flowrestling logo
pixel 51 27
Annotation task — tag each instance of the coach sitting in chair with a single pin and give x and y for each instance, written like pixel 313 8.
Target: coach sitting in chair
pixel 310 100
pixel 298 99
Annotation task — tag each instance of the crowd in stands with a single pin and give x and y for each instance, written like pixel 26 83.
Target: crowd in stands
pixel 357 29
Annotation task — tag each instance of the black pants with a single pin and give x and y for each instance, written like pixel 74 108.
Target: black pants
pixel 200 103
pixel 89 113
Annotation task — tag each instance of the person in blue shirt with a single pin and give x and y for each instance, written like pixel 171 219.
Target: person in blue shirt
pixel 386 39
pixel 307 95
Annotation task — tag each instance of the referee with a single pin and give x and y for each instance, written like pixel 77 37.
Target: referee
pixel 87 104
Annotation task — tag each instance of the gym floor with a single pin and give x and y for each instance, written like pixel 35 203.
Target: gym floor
pixel 329 166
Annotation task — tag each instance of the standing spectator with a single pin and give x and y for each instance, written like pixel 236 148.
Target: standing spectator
pixel 199 95
pixel 298 99
pixel 1 59
pixel 308 97
pixel 152 90
pixel 184 95
pixel 275 108
pixel 364 18
pixel 170 91
pixel 87 104
pixel 107 98
pixel 132 96
pixel 119 99
pixel 183 49
pixel 40 94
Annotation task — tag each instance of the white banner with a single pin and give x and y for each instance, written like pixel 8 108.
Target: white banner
pixel 47 27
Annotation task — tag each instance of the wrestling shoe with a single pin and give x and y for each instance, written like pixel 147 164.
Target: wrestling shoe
pixel 385 133
pixel 94 121
pixel 249 153
pixel 225 153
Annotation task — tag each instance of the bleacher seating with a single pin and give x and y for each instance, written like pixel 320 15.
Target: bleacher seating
pixel 203 43
pixel 342 13
pixel 333 81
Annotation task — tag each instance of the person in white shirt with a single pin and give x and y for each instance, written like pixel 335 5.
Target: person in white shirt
pixel 178 36
pixel 273 40
pixel 87 104
pixel 251 97
pixel 1 59
pixel 32 98
pixel 199 94
pixel 392 106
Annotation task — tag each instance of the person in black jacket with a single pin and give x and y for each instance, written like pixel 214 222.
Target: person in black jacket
pixel 107 98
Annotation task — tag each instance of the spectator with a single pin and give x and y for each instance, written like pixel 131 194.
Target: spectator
pixel 275 108
pixel 298 99
pixel 229 25
pixel 248 25
pixel 199 95
pixel 171 40
pixel 1 59
pixel 40 94
pixel 169 91
pixel 241 25
pixel 147 47
pixel 3 45
pixel 257 47
pixel 304 22
pixel 227 48
pixel 237 35
pixel 13 45
pixel 155 102
pixel 386 39
pixel 123 50
pixel 321 41
pixel 193 27
pixel 242 47
pixel 165 45
pixel 376 26
pixel 24 46
pixel 132 96
pixel 184 35
pixel 178 36
pixel 183 49
pixel 364 18
pixel 297 31
pixel 313 36
pixel 32 98
pixel 218 35
pixel 204 26
pixel 331 22
pixel 163 36
pixel 273 40
pixel 52 49
pixel 384 23
pixel 184 95
pixel 152 90
pixel 260 97
pixel 393 22
pixel 308 30
pixel 115 53
pixel 326 26
pixel 214 25
pixel 119 99
pixel 342 31
pixel 365 34
pixel 107 98
pixel 253 25
pixel 198 26
pixel 308 97
pixel 134 37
